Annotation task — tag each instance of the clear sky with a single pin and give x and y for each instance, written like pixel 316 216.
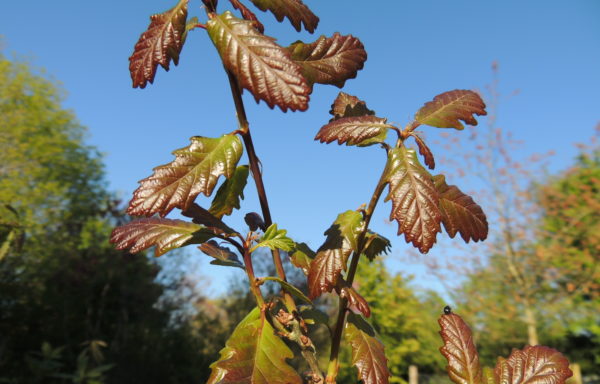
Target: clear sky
pixel 548 50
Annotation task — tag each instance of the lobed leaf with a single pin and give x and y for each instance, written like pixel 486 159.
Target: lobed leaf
pixel 446 109
pixel 274 239
pixel 355 300
pixel 301 256
pixel 258 63
pixel 425 151
pixel 230 192
pixel 332 256
pixel 159 44
pixel 248 15
pixel 346 105
pixel 460 351
pixel 368 353
pixel 460 213
pixel 195 170
pixel 414 198
pixel 222 255
pixel 296 12
pixel 254 354
pixel 375 245
pixel 533 365
pixel 165 234
pixel 329 60
pixel 361 131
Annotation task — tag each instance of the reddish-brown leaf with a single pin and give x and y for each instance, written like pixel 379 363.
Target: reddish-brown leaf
pixel 346 105
pixel 258 63
pixel 161 43
pixel 296 12
pixel 415 201
pixel 368 353
pixel 330 60
pixel 333 255
pixel 361 131
pixel 195 170
pixel 448 108
pixel 533 365
pixel 460 351
pixel 425 151
pixel 460 213
pixel 165 234
pixel 356 301
pixel 248 15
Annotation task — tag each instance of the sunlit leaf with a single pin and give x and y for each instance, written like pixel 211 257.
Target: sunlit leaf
pixel 329 60
pixel 289 288
pixel 346 105
pixel 274 239
pixel 425 152
pixel 229 194
pixel 376 245
pixel 296 12
pixel 332 256
pixel 448 108
pixel 301 256
pixel 368 353
pixel 414 198
pixel 355 300
pixel 361 131
pixel 460 351
pixel 165 234
pixel 533 365
pixel 161 43
pixel 195 170
pixel 258 63
pixel 248 15
pixel 460 213
pixel 254 354
pixel 222 255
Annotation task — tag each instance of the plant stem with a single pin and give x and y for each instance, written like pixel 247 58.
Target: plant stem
pixel 254 286
pixel 333 367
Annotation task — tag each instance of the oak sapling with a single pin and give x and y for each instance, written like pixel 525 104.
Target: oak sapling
pixel 285 77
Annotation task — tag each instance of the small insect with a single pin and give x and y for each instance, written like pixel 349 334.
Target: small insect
pixel 447 310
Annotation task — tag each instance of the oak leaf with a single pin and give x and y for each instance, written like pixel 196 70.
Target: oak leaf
pixel 258 63
pixel 446 109
pixel 159 44
pixel 222 255
pixel 368 353
pixel 195 170
pixel 274 239
pixel 355 300
pixel 248 15
pixel 361 131
pixel 346 105
pixel 460 351
pixel 533 365
pixel 229 193
pixel 415 201
pixel 295 10
pixel 424 151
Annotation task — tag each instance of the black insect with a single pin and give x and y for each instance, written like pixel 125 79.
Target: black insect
pixel 447 310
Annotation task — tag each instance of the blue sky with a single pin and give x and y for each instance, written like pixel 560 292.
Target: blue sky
pixel 548 50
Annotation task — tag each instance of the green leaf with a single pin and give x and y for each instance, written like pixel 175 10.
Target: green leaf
pixel 460 351
pixel 159 44
pixel 361 131
pixel 424 151
pixel 275 239
pixel 311 315
pixel 329 60
pixel 258 63
pixel 448 108
pixel 368 353
pixel 375 245
pixel 414 198
pixel 355 300
pixel 301 256
pixel 460 213
pixel 346 105
pixel 165 234
pixel 223 255
pixel 289 288
pixel 254 355
pixel 230 192
pixel 332 256
pixel 533 365
pixel 196 169
pixel 296 12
